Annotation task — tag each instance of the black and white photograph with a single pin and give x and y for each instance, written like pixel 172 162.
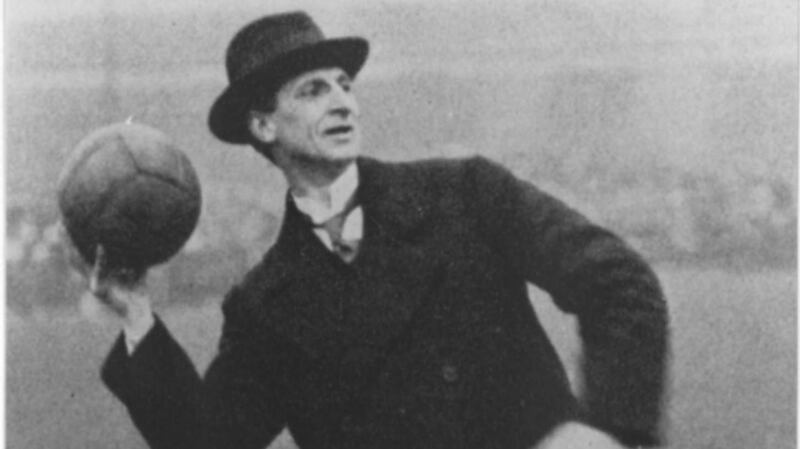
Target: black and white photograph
pixel 443 224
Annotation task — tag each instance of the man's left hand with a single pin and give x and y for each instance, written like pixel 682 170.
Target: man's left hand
pixel 574 435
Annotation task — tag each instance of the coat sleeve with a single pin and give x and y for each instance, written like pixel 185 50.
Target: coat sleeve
pixel 591 273
pixel 237 404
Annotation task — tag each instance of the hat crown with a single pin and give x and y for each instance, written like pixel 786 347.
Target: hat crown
pixel 256 45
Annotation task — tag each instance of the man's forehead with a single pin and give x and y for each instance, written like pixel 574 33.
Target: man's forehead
pixel 330 73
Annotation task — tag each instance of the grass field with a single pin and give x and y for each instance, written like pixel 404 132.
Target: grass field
pixel 733 366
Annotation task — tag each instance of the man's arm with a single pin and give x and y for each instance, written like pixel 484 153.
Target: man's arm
pixel 237 404
pixel 593 274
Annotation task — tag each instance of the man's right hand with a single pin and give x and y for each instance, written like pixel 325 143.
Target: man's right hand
pixel 123 292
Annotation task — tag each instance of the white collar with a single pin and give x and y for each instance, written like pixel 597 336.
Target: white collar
pixel 340 191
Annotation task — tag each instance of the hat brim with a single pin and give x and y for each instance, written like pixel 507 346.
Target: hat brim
pixel 227 116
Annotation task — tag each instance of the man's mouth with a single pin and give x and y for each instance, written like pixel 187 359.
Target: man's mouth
pixel 338 130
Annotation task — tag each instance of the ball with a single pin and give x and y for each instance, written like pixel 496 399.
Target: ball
pixel 129 188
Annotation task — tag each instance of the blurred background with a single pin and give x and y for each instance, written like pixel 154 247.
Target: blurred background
pixel 673 123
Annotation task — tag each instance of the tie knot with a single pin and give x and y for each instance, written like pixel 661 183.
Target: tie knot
pixel 344 231
pixel 334 226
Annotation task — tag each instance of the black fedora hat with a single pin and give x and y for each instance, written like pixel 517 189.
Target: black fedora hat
pixel 268 52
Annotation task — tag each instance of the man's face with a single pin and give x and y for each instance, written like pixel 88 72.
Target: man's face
pixel 316 118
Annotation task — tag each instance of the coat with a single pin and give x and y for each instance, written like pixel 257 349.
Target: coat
pixel 427 340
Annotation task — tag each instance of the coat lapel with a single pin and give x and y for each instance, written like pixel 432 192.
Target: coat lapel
pixel 326 306
pixel 301 294
pixel 397 265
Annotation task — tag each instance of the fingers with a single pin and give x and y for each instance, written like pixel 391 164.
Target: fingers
pixel 73 256
pixel 100 263
pixel 98 284
pixel 102 271
pixel 120 290
pixel 103 278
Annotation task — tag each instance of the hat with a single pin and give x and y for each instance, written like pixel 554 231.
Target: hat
pixel 268 52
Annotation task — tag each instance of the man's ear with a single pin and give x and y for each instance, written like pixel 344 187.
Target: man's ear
pixel 261 126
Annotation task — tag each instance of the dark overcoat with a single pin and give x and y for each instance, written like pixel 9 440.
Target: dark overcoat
pixel 427 340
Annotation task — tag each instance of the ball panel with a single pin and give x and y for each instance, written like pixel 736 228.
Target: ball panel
pixel 154 206
pixel 185 174
pixel 153 153
pixel 101 172
pixel 93 171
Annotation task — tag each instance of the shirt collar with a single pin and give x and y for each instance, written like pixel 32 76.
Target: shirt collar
pixel 340 191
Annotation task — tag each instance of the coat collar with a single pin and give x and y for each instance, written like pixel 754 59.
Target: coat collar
pixel 392 196
pixel 394 206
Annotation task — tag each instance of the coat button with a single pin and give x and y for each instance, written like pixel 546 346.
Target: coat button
pixel 347 424
pixel 450 373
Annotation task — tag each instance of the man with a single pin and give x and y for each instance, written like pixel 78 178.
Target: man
pixel 392 311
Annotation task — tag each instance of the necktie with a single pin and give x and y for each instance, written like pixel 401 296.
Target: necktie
pixel 344 248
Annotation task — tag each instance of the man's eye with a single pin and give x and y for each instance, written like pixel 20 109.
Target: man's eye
pixel 312 90
pixel 345 83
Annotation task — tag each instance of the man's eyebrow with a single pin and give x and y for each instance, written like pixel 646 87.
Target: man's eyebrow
pixel 310 82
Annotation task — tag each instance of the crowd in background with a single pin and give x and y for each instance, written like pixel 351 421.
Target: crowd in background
pixel 743 219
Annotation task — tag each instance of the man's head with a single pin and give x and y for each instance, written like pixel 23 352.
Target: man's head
pixel 267 62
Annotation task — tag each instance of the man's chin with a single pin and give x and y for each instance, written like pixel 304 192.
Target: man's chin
pixel 343 155
pixel 343 161
pixel 328 161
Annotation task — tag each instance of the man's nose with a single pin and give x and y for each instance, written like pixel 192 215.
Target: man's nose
pixel 343 102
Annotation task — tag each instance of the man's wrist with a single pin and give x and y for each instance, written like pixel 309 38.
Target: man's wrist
pixel 137 325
